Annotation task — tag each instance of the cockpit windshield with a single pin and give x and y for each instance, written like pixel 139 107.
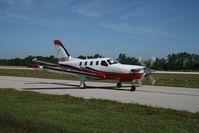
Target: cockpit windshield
pixel 111 61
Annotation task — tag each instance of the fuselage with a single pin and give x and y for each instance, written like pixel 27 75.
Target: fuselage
pixel 106 68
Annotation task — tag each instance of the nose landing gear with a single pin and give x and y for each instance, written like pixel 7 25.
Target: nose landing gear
pixel 133 88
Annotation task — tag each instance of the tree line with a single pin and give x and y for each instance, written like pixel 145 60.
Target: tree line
pixel 178 61
pixel 26 61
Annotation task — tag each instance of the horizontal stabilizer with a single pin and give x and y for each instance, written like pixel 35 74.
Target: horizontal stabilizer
pixel 43 62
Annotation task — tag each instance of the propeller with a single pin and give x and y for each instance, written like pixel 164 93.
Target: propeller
pixel 147 70
pixel 152 61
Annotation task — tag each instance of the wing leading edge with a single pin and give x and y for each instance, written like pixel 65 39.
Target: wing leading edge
pixel 73 72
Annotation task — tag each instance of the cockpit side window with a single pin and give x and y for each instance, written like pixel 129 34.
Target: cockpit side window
pixel 103 63
pixel 111 61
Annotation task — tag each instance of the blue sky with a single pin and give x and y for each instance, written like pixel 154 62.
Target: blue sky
pixel 136 27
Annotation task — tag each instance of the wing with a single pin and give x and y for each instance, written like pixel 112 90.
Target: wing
pixel 43 62
pixel 57 69
pixel 72 72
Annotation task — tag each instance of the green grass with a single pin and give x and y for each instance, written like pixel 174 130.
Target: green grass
pixel 25 111
pixel 176 80
pixel 34 74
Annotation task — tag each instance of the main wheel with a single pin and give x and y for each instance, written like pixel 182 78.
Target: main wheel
pixel 83 85
pixel 133 88
pixel 119 85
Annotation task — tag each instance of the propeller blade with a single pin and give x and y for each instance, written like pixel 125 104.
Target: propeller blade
pixel 141 61
pixel 152 79
pixel 147 70
pixel 152 61
pixel 141 79
pixel 140 82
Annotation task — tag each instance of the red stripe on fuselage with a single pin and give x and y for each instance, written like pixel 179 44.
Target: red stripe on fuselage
pixel 106 75
pixel 118 76
pixel 123 76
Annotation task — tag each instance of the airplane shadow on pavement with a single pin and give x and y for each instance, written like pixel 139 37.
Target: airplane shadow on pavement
pixel 72 86
pixel 124 88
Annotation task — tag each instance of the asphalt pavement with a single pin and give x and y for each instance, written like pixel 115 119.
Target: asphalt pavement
pixel 177 98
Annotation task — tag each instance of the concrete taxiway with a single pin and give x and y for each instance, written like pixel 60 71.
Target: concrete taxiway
pixel 167 97
pixel 16 67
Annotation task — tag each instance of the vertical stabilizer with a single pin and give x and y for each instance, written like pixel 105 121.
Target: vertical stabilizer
pixel 62 53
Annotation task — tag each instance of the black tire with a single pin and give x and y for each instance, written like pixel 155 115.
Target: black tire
pixel 119 85
pixel 83 86
pixel 133 88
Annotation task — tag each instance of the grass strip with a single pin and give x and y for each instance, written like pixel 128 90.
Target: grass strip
pixel 25 111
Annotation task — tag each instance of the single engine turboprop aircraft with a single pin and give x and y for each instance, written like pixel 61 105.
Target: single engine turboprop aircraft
pixel 99 68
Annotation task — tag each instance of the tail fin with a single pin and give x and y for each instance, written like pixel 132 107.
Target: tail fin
pixel 62 53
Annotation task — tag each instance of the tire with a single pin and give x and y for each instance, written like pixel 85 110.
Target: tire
pixel 119 85
pixel 133 88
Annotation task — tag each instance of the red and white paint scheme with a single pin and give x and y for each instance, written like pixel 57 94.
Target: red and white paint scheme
pixel 99 68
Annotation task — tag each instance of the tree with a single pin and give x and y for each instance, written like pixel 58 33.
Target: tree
pixel 122 58
pixel 178 61
pixel 90 57
pixel 159 64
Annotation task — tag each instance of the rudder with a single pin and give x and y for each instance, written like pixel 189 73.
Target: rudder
pixel 62 53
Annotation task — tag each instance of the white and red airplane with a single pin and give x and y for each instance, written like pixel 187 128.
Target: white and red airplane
pixel 99 68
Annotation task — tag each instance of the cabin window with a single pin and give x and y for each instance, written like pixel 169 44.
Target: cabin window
pixel 97 62
pixel 80 63
pixel 91 63
pixel 85 63
pixel 103 63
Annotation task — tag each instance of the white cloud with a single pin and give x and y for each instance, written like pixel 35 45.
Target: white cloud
pixel 85 12
pixel 126 17
pixel 87 9
pixel 126 28
pixel 33 12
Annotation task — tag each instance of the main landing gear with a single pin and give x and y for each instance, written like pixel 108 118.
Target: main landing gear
pixel 119 85
pixel 83 86
pixel 133 88
pixel 82 83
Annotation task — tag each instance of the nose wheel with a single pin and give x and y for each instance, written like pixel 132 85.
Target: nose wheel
pixel 133 88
